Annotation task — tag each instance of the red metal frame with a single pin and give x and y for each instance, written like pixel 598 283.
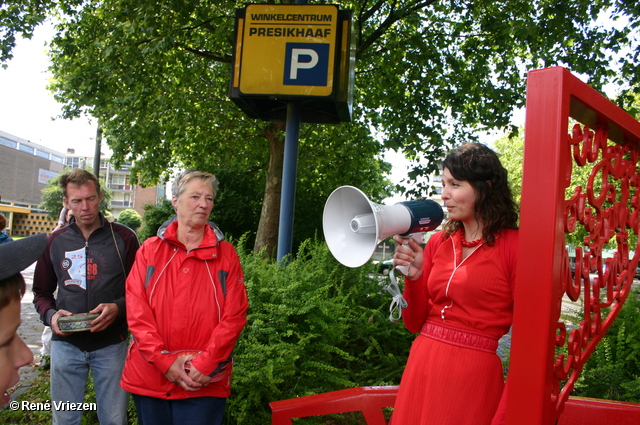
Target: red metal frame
pixel 368 400
pixel 540 381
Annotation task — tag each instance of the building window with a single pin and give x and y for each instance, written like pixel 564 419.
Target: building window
pixel 25 148
pixel 118 179
pixel 57 159
pixel 72 162
pixel 9 143
pixel 42 154
pixel 126 166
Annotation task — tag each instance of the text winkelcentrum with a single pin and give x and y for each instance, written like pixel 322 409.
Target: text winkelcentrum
pixel 314 20
pixel 298 17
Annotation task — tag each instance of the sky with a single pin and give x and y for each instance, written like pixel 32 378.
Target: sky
pixel 28 110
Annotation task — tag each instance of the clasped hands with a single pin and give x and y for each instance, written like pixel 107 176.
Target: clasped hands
pixel 184 374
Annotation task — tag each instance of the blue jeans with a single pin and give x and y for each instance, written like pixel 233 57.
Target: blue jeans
pixel 192 411
pixel 69 371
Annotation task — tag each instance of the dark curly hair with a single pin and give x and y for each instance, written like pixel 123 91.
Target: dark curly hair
pixel 494 206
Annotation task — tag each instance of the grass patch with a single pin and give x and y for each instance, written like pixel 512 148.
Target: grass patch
pixel 39 392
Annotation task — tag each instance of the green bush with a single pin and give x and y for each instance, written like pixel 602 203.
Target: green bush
pixel 613 371
pixel 130 218
pixel 154 216
pixel 313 326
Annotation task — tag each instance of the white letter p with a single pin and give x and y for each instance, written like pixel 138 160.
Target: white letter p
pixel 295 64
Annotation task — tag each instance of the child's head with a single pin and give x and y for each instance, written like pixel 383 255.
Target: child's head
pixel 14 257
pixel 11 288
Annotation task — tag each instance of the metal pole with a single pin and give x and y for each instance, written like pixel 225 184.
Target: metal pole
pixel 96 153
pixel 289 171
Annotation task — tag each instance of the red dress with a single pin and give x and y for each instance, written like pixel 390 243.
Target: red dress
pixel 453 375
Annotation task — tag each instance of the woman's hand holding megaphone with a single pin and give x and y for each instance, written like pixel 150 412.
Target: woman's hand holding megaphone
pixel 409 257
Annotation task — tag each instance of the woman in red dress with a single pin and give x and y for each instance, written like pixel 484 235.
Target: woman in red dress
pixel 460 291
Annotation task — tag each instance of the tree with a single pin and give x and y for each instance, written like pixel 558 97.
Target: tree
pixel 20 18
pixel 154 216
pixel 511 151
pixel 430 74
pixel 130 218
pixel 52 197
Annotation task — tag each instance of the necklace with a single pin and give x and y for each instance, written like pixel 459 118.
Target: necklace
pixel 470 244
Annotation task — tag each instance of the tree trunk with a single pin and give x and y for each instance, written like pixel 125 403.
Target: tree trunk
pixel 267 235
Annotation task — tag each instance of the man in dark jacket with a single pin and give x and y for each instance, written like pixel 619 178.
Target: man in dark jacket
pixel 87 262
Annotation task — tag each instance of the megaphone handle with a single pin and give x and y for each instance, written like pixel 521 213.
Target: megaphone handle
pixel 403 269
pixel 419 238
pixel 398 303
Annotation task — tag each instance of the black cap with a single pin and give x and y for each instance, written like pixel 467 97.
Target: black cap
pixel 18 255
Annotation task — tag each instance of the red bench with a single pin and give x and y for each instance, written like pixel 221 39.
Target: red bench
pixel 371 401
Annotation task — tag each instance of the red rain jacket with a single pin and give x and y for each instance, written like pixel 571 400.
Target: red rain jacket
pixel 179 300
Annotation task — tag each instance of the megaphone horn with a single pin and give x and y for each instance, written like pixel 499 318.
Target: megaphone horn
pixel 353 225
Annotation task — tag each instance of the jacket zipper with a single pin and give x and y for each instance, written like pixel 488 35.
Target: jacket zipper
pixel 86 274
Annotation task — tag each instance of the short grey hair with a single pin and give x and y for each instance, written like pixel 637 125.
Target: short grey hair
pixel 180 182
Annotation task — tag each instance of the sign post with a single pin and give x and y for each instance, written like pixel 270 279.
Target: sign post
pixel 293 62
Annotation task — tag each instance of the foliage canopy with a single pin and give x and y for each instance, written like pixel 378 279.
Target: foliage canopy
pixel 429 74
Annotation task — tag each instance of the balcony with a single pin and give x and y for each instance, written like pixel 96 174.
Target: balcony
pixel 126 204
pixel 123 187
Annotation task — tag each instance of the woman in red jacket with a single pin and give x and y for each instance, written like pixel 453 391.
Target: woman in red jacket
pixel 459 291
pixel 186 307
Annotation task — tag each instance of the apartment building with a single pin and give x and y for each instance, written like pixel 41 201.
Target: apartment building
pixel 26 168
pixel 125 194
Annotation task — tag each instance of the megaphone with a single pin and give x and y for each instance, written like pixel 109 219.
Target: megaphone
pixel 354 226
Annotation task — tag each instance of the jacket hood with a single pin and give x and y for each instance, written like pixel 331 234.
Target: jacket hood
pixel 211 224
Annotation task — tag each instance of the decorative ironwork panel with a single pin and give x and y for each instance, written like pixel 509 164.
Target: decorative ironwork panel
pixel 606 207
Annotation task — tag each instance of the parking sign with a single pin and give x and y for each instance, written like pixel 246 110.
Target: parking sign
pixel 288 50
pixel 306 64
